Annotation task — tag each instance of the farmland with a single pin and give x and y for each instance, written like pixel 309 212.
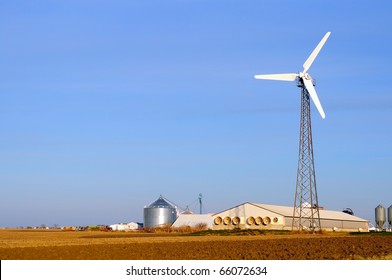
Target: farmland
pixel 63 245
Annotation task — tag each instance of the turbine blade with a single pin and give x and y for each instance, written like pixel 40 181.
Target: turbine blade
pixel 278 77
pixel 312 92
pixel 315 52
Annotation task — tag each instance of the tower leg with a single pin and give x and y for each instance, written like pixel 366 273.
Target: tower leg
pixel 306 214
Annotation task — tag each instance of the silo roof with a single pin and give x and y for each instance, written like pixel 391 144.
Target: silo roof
pixel 160 203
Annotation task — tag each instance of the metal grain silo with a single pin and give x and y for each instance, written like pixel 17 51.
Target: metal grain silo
pixel 390 215
pixel 159 213
pixel 380 216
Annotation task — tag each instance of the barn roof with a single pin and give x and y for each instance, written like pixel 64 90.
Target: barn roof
pixel 193 220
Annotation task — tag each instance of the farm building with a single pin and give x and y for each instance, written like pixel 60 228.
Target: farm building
pixel 194 220
pixel 264 216
pixel 124 226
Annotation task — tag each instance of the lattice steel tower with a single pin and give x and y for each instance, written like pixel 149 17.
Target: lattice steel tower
pixel 306 213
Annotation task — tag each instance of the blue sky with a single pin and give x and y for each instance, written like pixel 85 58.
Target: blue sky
pixel 105 105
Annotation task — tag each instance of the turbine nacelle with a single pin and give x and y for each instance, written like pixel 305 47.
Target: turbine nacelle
pixel 304 76
pixel 307 80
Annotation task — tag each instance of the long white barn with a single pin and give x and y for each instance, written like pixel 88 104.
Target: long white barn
pixel 264 216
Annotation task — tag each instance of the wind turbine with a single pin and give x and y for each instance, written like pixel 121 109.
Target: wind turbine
pixel 306 213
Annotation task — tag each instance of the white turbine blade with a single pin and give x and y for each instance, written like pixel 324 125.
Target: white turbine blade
pixel 315 52
pixel 278 77
pixel 312 92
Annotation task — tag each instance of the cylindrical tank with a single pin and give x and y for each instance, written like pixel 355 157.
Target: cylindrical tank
pixel 159 213
pixel 380 216
pixel 390 215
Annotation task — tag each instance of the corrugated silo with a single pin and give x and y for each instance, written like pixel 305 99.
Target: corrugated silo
pixel 380 216
pixel 390 215
pixel 159 213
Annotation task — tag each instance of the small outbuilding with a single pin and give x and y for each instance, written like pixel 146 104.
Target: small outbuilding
pixel 194 220
pixel 124 226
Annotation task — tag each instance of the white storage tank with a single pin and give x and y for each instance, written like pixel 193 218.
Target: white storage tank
pixel 380 216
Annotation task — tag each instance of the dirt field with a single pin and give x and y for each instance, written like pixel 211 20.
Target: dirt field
pixel 58 245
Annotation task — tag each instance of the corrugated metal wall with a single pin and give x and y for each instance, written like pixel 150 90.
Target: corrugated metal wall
pixel 328 224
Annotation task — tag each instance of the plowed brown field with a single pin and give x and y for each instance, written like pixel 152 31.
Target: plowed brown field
pixel 57 245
